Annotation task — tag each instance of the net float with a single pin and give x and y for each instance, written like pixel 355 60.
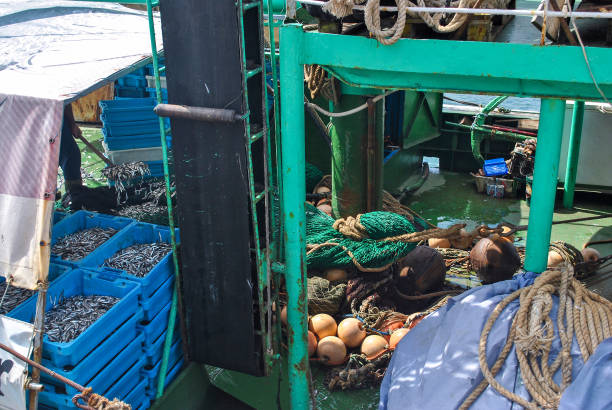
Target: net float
pixel 312 343
pixel 590 254
pixel 396 336
pixel 554 258
pixel 494 260
pixel 373 345
pixel 438 243
pixel 322 325
pixel 333 275
pixel 331 350
pixel 351 332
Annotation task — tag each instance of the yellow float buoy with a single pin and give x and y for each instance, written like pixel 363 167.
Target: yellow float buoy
pixel 397 336
pixel 322 325
pixel 312 343
pixel 333 275
pixel 331 351
pixel 373 345
pixel 351 332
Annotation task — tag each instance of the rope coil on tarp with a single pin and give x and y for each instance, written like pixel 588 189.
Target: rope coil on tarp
pixel 581 313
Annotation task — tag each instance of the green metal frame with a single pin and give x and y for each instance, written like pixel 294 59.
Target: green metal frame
pixel 164 143
pixel 572 154
pixel 500 68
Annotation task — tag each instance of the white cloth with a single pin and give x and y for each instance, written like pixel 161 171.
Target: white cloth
pixel 18 336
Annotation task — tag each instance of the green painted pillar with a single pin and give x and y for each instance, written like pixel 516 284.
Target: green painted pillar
pixel 293 217
pixel 573 153
pixel 544 184
pixel 357 155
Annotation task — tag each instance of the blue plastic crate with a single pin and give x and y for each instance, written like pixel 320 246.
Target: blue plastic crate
pixel 58 216
pixel 126 129
pixel 174 371
pixel 154 304
pixel 151 330
pixel 111 105
pixel 153 352
pixel 84 282
pixel 100 357
pixel 121 115
pixel 136 233
pixel 55 272
pixel 495 167
pixel 156 168
pixel 152 92
pixel 176 357
pixel 126 382
pixel 130 92
pixel 81 220
pixel 132 80
pixel 132 142
pixel 126 361
pixel 137 397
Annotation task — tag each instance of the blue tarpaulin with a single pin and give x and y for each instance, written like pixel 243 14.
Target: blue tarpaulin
pixel 436 365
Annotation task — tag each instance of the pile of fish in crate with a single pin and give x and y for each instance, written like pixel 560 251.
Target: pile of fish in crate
pixel 108 305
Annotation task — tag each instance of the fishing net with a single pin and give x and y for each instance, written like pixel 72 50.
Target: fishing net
pixel 323 297
pixel 329 248
pixel 359 373
pixel 313 176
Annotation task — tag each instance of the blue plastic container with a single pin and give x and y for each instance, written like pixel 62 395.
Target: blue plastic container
pixel 130 92
pixel 109 105
pixel 153 353
pixel 156 327
pixel 132 128
pixel 126 382
pixel 58 216
pixel 132 80
pixel 153 93
pixel 55 272
pixel 155 303
pixel 100 357
pixel 495 167
pixel 134 141
pixel 136 233
pixel 121 115
pixel 126 361
pixel 137 397
pixel 156 167
pixel 81 220
pixel 84 282
pixel 174 371
pixel 175 358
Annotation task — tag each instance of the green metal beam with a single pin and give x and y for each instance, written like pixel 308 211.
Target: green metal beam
pixel 463 66
pixel 293 217
pixel 573 153
pixel 545 174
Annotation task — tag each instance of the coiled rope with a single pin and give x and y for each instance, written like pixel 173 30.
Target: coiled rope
pixel 581 313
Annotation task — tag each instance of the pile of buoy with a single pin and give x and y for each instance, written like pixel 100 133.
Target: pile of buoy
pixel 330 342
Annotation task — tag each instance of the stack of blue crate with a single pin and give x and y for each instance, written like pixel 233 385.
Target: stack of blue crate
pixel 104 352
pixel 132 85
pixel 131 130
pixel 155 299
pixel 150 77
pixel 119 355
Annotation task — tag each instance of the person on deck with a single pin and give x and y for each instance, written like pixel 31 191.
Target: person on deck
pixel 70 155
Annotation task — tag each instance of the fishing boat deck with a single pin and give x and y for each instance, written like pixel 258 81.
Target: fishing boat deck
pixel 460 203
